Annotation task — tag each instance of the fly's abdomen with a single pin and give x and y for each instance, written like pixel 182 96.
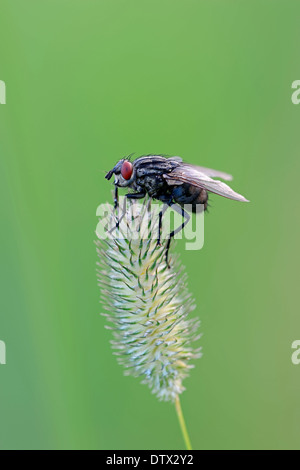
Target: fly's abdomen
pixel 189 194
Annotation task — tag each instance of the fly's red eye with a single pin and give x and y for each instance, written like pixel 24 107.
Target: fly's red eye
pixel 126 170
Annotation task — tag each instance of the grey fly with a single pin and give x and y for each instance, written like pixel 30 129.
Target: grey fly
pixel 171 181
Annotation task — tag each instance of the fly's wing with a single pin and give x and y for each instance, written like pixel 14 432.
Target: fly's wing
pixel 195 176
pixel 210 172
pixel 176 159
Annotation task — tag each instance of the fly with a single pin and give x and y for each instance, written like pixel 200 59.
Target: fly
pixel 171 181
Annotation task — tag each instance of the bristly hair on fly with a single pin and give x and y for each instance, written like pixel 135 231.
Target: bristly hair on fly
pixel 147 304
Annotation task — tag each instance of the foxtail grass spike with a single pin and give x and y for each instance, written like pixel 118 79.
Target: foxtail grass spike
pixel 147 303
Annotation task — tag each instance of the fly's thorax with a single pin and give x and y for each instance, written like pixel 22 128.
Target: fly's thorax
pixel 153 184
pixel 154 164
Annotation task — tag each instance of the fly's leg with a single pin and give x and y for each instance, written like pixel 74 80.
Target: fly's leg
pixel 117 208
pixel 187 217
pixel 135 195
pixel 160 216
pixel 127 196
pixel 167 200
pixel 116 198
pixel 116 205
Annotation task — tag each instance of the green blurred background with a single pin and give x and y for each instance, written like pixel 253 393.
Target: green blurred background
pixel 89 81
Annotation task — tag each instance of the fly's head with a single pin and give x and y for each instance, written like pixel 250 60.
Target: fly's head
pixel 124 172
